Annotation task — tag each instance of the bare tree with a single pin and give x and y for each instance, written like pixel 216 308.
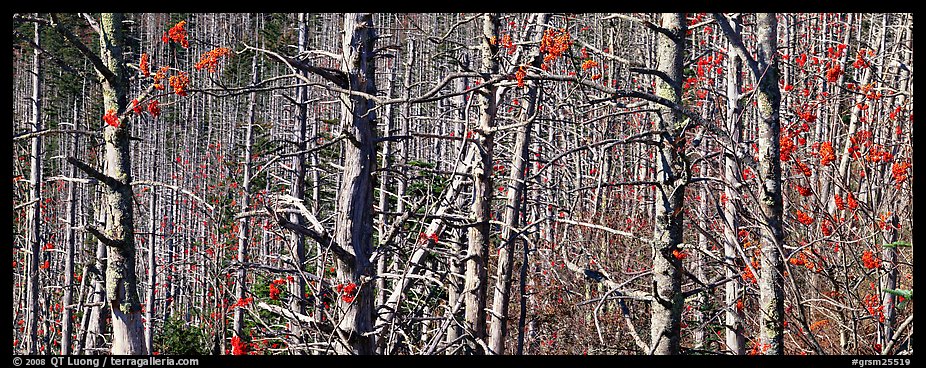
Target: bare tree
pixel 119 234
pixel 672 173
pixel 35 176
pixel 475 286
pixel 354 223
pixel 514 201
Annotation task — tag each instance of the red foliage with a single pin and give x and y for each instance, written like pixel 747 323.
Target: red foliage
pixel 860 61
pixel 832 75
pixel 870 261
pixel 210 59
pixel 839 203
pixel 111 118
pixel 900 171
pixel 519 75
pixel 884 221
pixel 851 202
pixel 877 153
pixel 153 108
pixel 803 168
pixel 874 307
pixel 178 34
pixel 506 43
pixel 159 76
pixel 239 346
pixel 827 154
pixel 274 291
pixel 803 191
pixel 554 44
pixel 803 217
pixel 786 143
pixel 826 228
pixel 143 65
pixel 801 60
pixel 588 64
pixel 242 302
pixel 749 276
pixel 179 83
pixel 348 291
pixel 136 107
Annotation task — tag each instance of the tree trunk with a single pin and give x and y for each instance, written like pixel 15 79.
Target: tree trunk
pixel 169 282
pixel 67 324
pixel 354 226
pixel 297 190
pixel 121 282
pixel 243 224
pixel 700 263
pixel 888 282
pixel 672 176
pixel 474 290
pixel 35 175
pixel 152 261
pixel 771 295
pixel 733 290
pixel 456 235
pixel 513 205
pixel 93 339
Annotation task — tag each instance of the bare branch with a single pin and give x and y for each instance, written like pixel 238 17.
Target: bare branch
pixel 737 42
pixel 103 238
pixel 294 316
pixel 176 189
pixel 84 50
pixel 30 135
pixel 321 237
pixel 106 179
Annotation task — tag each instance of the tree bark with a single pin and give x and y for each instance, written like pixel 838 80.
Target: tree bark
pixel 93 338
pixel 35 175
pixel 152 260
pixel 297 190
pixel 733 290
pixel 513 204
pixel 888 282
pixel 672 175
pixel 457 236
pixel 771 294
pixel 475 287
pixel 67 324
pixel 121 282
pixel 243 224
pixel 354 221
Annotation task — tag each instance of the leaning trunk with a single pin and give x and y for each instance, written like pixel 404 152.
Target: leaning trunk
pixel 513 205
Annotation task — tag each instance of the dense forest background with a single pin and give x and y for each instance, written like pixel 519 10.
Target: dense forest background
pixel 462 183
